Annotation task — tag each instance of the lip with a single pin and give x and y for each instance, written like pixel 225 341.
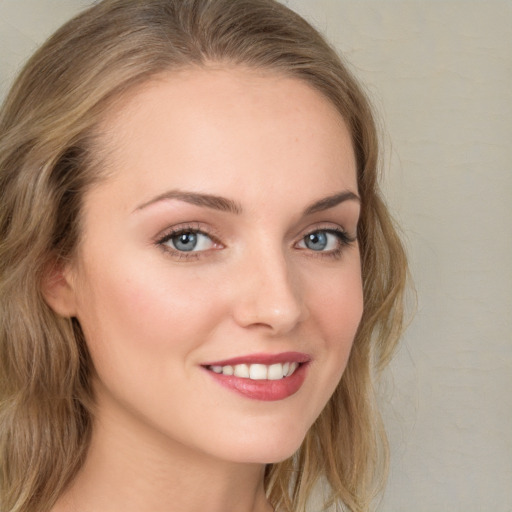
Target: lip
pixel 268 359
pixel 263 390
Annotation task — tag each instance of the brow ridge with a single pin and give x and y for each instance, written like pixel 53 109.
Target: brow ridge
pixel 331 201
pixel 199 199
pixel 228 205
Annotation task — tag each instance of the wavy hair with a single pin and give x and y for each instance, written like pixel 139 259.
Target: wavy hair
pixel 48 159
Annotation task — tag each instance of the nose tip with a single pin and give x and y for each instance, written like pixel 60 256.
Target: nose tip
pixel 270 298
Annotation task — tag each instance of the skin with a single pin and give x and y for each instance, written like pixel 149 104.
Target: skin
pixel 167 436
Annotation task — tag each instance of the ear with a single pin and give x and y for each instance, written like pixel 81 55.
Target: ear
pixel 58 289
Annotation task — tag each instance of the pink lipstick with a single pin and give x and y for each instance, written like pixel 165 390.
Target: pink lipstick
pixel 266 377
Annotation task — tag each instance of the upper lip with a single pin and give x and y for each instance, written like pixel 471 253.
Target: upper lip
pixel 267 359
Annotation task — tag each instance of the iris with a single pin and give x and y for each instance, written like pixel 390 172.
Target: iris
pixel 316 241
pixel 185 241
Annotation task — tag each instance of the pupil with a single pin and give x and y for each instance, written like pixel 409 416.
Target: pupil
pixel 185 241
pixel 316 241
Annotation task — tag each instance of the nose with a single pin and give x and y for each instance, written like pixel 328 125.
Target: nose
pixel 268 293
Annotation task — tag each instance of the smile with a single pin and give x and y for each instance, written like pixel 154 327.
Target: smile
pixel 275 371
pixel 265 377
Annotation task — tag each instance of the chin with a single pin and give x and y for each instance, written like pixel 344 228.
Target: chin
pixel 266 449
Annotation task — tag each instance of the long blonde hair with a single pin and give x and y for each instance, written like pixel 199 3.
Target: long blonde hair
pixel 48 159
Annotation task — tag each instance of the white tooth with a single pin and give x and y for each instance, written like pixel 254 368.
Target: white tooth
pixel 286 369
pixel 227 370
pixel 242 370
pixel 216 369
pixel 293 367
pixel 258 372
pixel 275 371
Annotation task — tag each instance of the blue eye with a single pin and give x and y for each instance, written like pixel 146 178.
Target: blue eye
pixel 316 241
pixel 324 240
pixel 188 241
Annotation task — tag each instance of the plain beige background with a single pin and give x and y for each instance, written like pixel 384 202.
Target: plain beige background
pixel 440 76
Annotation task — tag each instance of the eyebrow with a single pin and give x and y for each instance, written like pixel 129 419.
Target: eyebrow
pixel 206 200
pixel 224 204
pixel 331 201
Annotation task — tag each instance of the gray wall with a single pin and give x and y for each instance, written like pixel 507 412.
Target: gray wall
pixel 440 75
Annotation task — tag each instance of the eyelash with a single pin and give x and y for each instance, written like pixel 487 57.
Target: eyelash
pixel 182 230
pixel 344 240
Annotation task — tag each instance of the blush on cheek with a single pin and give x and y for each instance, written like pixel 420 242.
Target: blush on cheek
pixel 144 311
pixel 342 318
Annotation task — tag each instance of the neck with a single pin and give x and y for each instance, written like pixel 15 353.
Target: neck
pixel 131 469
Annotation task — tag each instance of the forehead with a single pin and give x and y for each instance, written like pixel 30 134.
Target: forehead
pixel 207 128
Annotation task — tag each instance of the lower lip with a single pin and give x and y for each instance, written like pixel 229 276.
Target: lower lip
pixel 265 390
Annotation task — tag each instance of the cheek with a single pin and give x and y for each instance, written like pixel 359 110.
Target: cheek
pixel 335 311
pixel 338 308
pixel 129 311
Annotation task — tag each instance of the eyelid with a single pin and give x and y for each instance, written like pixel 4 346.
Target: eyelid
pixel 184 227
pixel 196 227
pixel 344 238
pixel 189 227
pixel 329 228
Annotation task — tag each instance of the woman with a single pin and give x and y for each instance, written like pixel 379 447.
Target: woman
pixel 199 277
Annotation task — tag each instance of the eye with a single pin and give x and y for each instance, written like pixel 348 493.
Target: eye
pixel 187 241
pixel 320 241
pixel 325 240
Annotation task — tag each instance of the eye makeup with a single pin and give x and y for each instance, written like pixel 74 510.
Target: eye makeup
pixel 188 241
pixel 193 241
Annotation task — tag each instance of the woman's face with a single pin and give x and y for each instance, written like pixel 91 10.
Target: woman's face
pixel 218 280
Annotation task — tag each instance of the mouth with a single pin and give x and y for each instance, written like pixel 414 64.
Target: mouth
pixel 257 371
pixel 260 376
